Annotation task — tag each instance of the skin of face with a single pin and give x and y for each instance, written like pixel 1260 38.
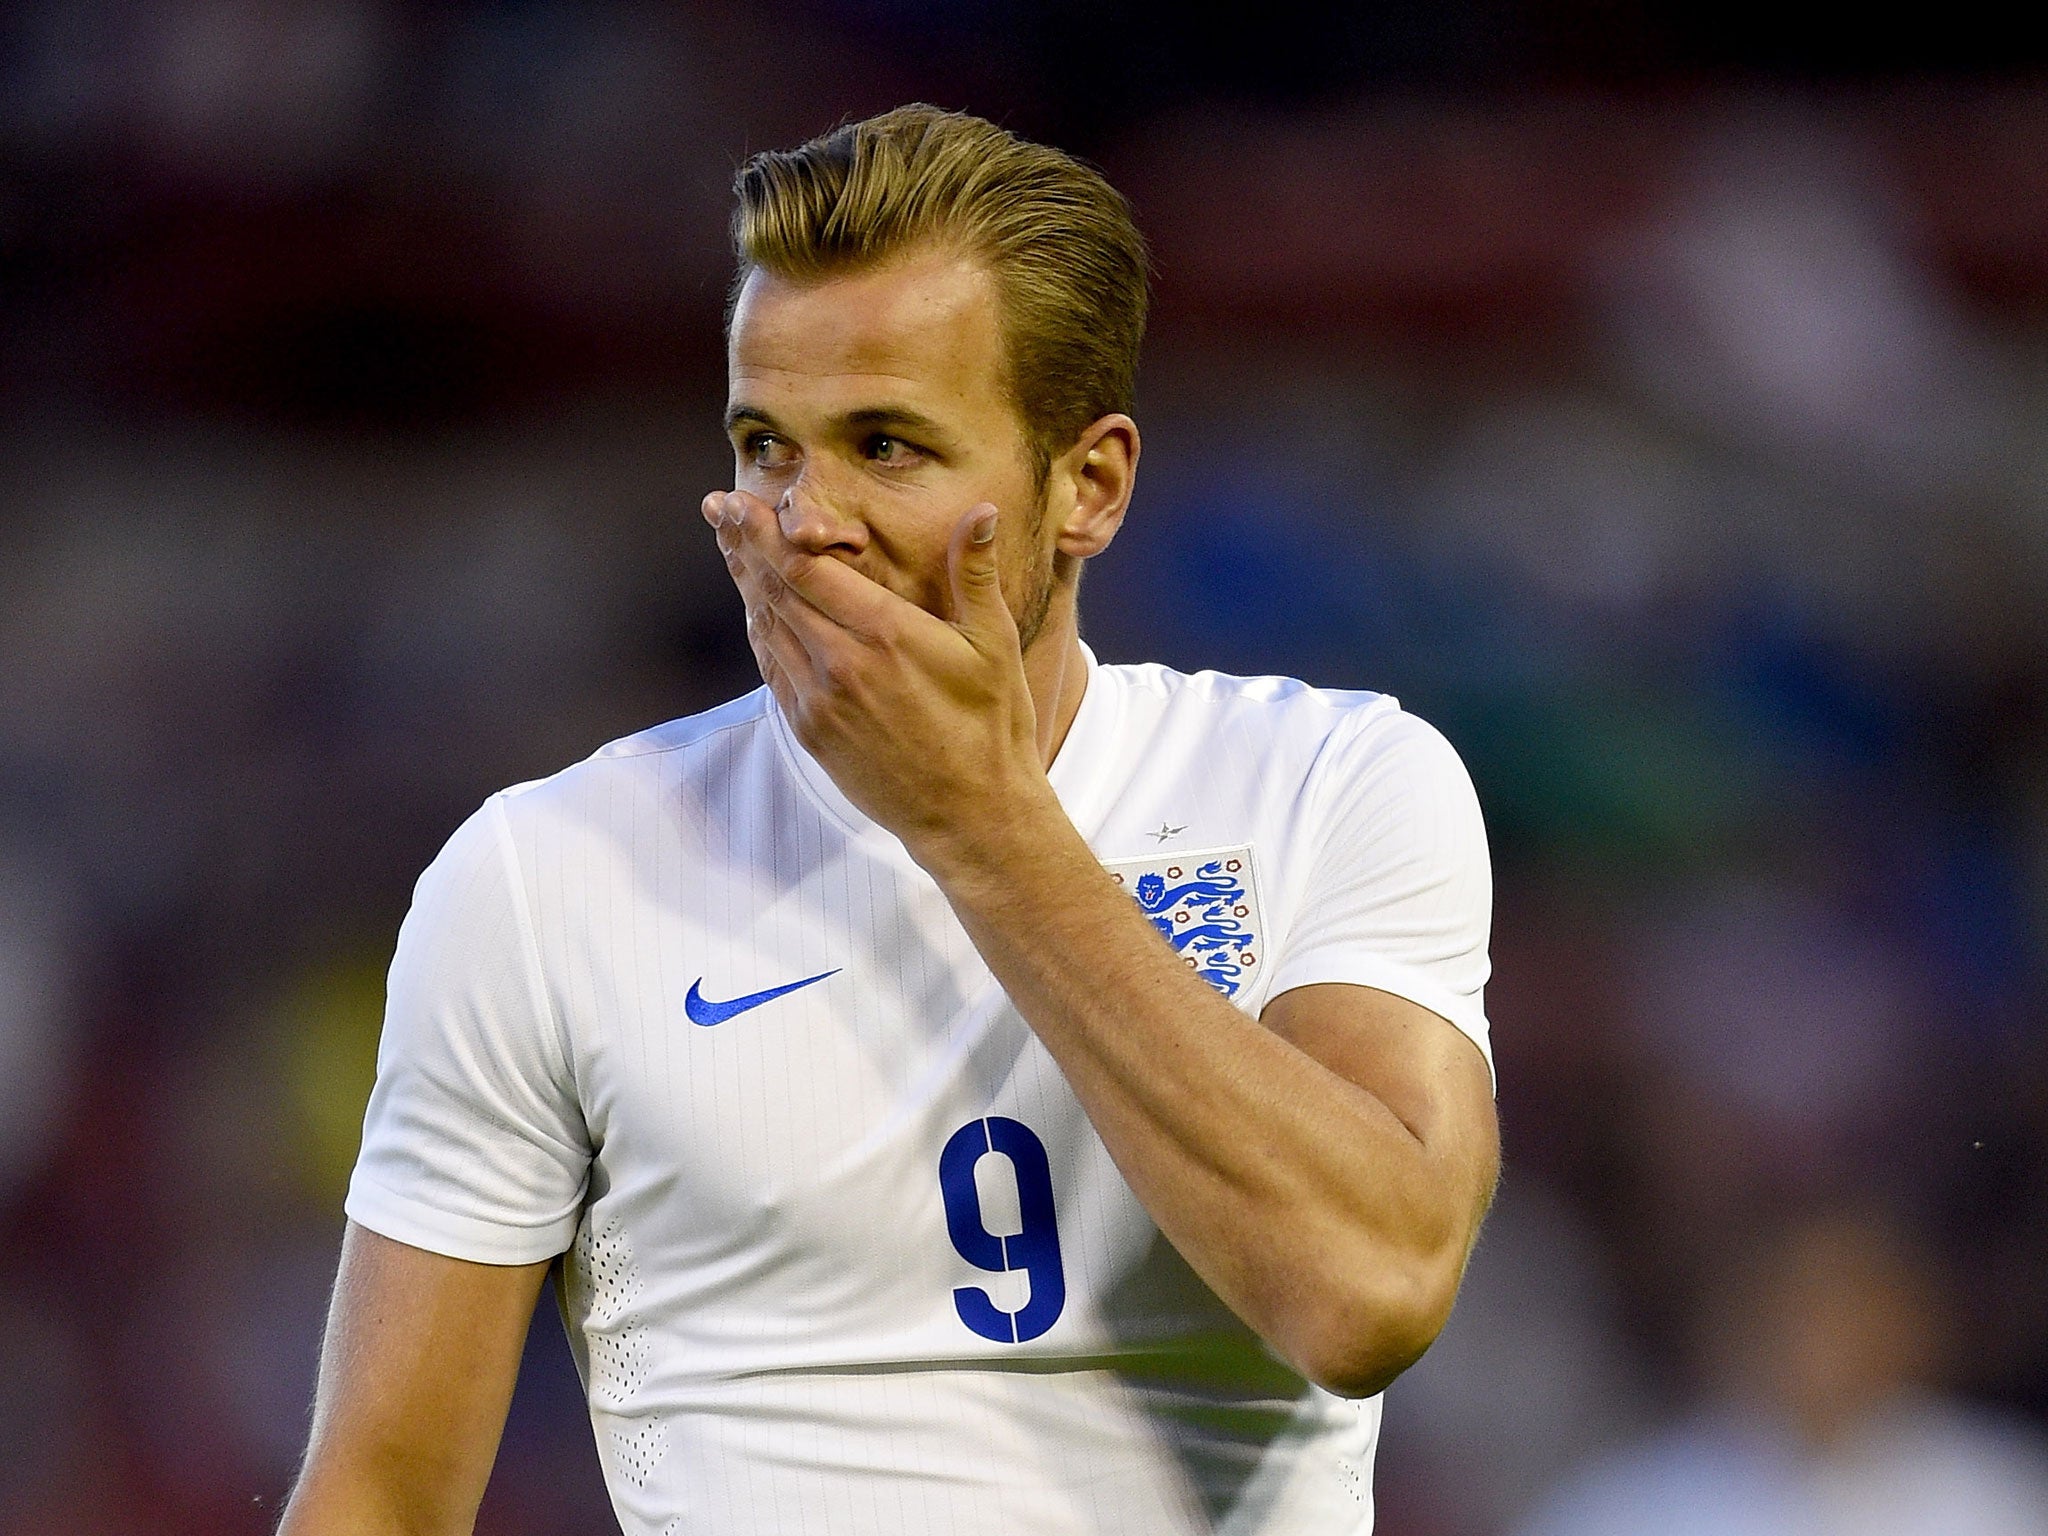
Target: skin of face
pixel 870 410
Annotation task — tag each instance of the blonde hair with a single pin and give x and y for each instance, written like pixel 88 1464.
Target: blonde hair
pixel 1068 262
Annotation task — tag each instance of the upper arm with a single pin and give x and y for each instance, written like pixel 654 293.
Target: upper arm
pixel 1429 1074
pixel 470 1179
pixel 1379 978
pixel 1398 895
pixel 421 1355
pixel 1382 974
pixel 1427 1102
pixel 474 1143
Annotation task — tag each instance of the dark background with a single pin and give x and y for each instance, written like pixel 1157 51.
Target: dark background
pixel 1651 396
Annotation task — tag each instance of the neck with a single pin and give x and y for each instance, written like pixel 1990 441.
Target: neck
pixel 1057 673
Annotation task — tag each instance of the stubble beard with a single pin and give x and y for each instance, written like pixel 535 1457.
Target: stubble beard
pixel 1035 601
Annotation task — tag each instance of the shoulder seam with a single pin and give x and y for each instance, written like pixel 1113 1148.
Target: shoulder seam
pixel 1336 700
pixel 676 746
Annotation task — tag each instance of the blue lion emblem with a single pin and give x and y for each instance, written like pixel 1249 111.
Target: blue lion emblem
pixel 1203 918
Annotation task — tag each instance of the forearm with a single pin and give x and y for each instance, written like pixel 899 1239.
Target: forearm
pixel 341 1501
pixel 1336 1230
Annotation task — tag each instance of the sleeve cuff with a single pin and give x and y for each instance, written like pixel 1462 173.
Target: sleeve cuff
pixel 456 1237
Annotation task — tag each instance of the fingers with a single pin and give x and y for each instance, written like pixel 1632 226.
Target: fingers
pixel 785 665
pixel 819 604
pixel 760 583
pixel 979 610
pixel 802 586
pixel 784 662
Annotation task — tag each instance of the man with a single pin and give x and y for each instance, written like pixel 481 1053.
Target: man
pixel 969 1088
pixel 1821 1350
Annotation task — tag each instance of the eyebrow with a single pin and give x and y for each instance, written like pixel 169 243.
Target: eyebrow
pixel 900 417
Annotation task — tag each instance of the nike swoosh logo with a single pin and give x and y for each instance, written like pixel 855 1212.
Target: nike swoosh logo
pixel 702 1010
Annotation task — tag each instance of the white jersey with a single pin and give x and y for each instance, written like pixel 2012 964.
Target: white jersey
pixel 844 1255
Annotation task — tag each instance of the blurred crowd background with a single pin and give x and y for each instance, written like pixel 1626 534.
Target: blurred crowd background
pixel 1656 398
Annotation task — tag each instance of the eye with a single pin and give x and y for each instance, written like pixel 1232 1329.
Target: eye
pixel 892 452
pixel 765 450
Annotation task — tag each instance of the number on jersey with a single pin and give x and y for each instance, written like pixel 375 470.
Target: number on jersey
pixel 1032 1249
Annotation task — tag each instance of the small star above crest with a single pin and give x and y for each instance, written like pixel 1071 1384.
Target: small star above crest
pixel 1165 831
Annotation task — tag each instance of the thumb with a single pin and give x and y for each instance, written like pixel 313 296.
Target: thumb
pixel 978 606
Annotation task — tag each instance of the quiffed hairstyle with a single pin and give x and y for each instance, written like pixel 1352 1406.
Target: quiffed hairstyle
pixel 1068 262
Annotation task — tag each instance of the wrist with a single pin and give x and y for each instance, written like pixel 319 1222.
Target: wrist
pixel 989 847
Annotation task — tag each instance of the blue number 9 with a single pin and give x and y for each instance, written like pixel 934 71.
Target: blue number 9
pixel 1035 1250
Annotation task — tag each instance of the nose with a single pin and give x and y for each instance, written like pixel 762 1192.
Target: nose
pixel 818 518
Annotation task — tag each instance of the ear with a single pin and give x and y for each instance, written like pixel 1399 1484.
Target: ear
pixel 1089 487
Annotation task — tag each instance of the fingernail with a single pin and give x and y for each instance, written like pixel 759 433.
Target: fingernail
pixel 984 528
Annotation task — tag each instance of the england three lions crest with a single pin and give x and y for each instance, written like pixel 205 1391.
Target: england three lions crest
pixel 1207 906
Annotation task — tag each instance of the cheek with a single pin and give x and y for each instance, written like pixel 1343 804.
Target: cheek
pixel 767 484
pixel 1029 561
pixel 907 554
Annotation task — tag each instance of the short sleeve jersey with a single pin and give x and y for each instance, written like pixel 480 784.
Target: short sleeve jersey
pixel 842 1252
